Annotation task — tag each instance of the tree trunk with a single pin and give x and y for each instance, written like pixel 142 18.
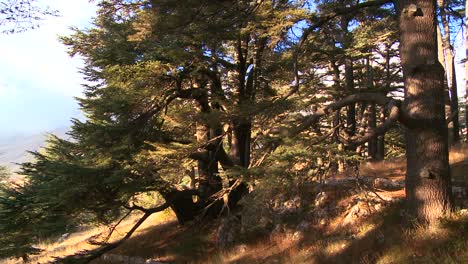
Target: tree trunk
pixel 381 140
pixel 351 113
pixel 452 77
pixel 442 60
pixel 183 205
pixel 242 124
pixel 242 134
pixel 372 143
pixel 346 41
pixel 428 193
pixel 466 70
pixel 208 182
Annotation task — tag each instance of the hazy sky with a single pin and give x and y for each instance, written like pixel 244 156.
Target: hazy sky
pixel 38 79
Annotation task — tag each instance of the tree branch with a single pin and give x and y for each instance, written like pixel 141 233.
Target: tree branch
pixel 389 123
pixel 361 97
pixel 150 210
pixel 317 22
pixel 321 20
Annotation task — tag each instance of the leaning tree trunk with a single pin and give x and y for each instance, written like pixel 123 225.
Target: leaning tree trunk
pixel 428 192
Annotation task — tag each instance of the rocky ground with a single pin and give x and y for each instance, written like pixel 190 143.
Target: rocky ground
pixel 347 218
pixel 331 221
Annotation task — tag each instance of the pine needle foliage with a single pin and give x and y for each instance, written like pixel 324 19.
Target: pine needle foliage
pixel 194 102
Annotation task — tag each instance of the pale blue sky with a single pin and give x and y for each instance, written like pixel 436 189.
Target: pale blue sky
pixel 38 79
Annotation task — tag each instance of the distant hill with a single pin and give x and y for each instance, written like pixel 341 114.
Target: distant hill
pixel 14 148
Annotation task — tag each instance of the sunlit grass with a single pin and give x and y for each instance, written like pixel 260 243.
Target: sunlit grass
pixel 380 237
pixel 79 241
pixel 458 153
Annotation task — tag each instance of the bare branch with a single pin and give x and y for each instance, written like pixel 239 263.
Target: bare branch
pixel 361 97
pixel 223 194
pixel 114 227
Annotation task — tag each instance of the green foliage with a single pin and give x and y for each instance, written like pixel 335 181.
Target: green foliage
pixel 207 85
pixel 23 212
pixel 4 174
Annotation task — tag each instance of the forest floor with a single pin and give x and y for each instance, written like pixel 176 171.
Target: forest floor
pixel 340 220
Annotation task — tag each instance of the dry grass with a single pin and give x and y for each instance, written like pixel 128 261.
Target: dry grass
pixel 459 153
pixel 378 238
pixel 396 168
pixel 74 243
pixel 392 169
pixel 169 242
pixel 459 163
pixel 78 241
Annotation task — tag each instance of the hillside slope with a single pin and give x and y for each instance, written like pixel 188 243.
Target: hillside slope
pixel 342 220
pixel 14 148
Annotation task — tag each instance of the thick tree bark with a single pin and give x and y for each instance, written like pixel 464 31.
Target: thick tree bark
pixel 428 192
pixel 450 70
